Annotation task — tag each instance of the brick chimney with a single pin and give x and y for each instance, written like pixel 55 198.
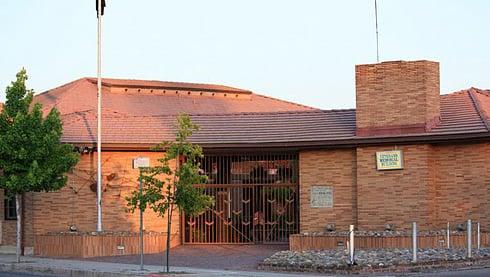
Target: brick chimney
pixel 397 97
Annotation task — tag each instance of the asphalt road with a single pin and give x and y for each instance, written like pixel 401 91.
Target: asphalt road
pixel 485 272
pixel 15 274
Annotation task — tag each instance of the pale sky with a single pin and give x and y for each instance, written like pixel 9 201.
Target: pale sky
pixel 302 51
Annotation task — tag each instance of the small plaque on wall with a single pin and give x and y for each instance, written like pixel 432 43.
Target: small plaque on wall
pixel 141 162
pixel 388 160
pixel 321 197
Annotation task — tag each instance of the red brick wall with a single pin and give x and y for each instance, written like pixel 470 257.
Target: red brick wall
pixel 76 202
pixel 462 183
pixel 393 196
pixel 439 183
pixel 336 168
pixel 396 97
pixel 9 227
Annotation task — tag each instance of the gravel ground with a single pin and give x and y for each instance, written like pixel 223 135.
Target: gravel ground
pixel 373 258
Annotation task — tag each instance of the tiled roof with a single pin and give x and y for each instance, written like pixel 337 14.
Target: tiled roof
pixel 482 100
pixel 145 98
pixel 214 129
pixel 145 116
pixel 459 114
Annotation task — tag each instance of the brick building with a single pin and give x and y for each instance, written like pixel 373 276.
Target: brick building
pixel 406 153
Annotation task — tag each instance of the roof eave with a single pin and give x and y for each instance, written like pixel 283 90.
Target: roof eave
pixel 320 144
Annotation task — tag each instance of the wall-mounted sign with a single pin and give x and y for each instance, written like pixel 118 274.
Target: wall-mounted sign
pixel 387 160
pixel 321 197
pixel 141 162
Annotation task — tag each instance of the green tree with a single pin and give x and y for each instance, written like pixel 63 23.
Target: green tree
pixel 32 158
pixel 165 189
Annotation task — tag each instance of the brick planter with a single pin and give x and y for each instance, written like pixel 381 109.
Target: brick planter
pixel 322 242
pixel 86 245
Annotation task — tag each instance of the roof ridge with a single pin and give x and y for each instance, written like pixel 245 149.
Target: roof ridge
pixel 62 86
pixel 223 87
pixel 476 104
pixel 456 92
pixel 478 90
pixel 284 101
pixel 485 92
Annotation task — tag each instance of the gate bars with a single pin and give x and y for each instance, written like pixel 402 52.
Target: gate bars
pixel 256 200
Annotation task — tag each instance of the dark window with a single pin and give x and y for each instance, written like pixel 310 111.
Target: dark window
pixel 10 208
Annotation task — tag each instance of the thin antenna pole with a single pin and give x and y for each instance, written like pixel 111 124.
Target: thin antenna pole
pixel 377 41
pixel 99 117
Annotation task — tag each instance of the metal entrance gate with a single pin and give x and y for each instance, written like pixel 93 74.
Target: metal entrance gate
pixel 256 200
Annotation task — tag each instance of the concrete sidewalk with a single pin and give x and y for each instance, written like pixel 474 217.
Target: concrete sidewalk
pixel 76 268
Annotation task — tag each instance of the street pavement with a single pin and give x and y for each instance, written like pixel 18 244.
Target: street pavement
pixel 19 274
pixel 44 267
pixel 221 257
pixel 485 272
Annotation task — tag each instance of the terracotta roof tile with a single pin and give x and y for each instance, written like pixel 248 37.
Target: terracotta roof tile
pixel 459 114
pixel 81 94
pixel 221 128
pixel 482 102
pixel 133 117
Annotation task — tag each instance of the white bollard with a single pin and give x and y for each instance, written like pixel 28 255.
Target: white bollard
pixel 468 231
pixel 478 235
pixel 448 231
pixel 414 241
pixel 351 244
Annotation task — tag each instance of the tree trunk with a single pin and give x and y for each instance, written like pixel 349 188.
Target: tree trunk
pixel 18 205
pixel 169 232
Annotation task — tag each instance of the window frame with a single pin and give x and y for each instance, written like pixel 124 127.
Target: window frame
pixel 9 204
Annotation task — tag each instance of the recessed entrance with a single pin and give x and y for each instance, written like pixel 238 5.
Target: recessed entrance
pixel 256 200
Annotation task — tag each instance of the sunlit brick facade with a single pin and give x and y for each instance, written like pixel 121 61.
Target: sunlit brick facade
pixel 444 141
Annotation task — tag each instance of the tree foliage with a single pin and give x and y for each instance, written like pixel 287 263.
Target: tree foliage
pixel 31 155
pixel 165 185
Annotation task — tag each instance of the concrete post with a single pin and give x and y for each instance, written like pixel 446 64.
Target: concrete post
pixel 468 231
pixel 448 238
pixel 414 241
pixel 478 235
pixel 351 244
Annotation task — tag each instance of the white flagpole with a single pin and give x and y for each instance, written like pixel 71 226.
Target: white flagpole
pixel 376 18
pixel 99 117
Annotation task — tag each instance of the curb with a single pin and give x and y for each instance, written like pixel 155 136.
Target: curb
pixel 29 267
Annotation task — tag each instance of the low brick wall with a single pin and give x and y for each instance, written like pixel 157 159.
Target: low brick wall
pixel 321 242
pixel 87 245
